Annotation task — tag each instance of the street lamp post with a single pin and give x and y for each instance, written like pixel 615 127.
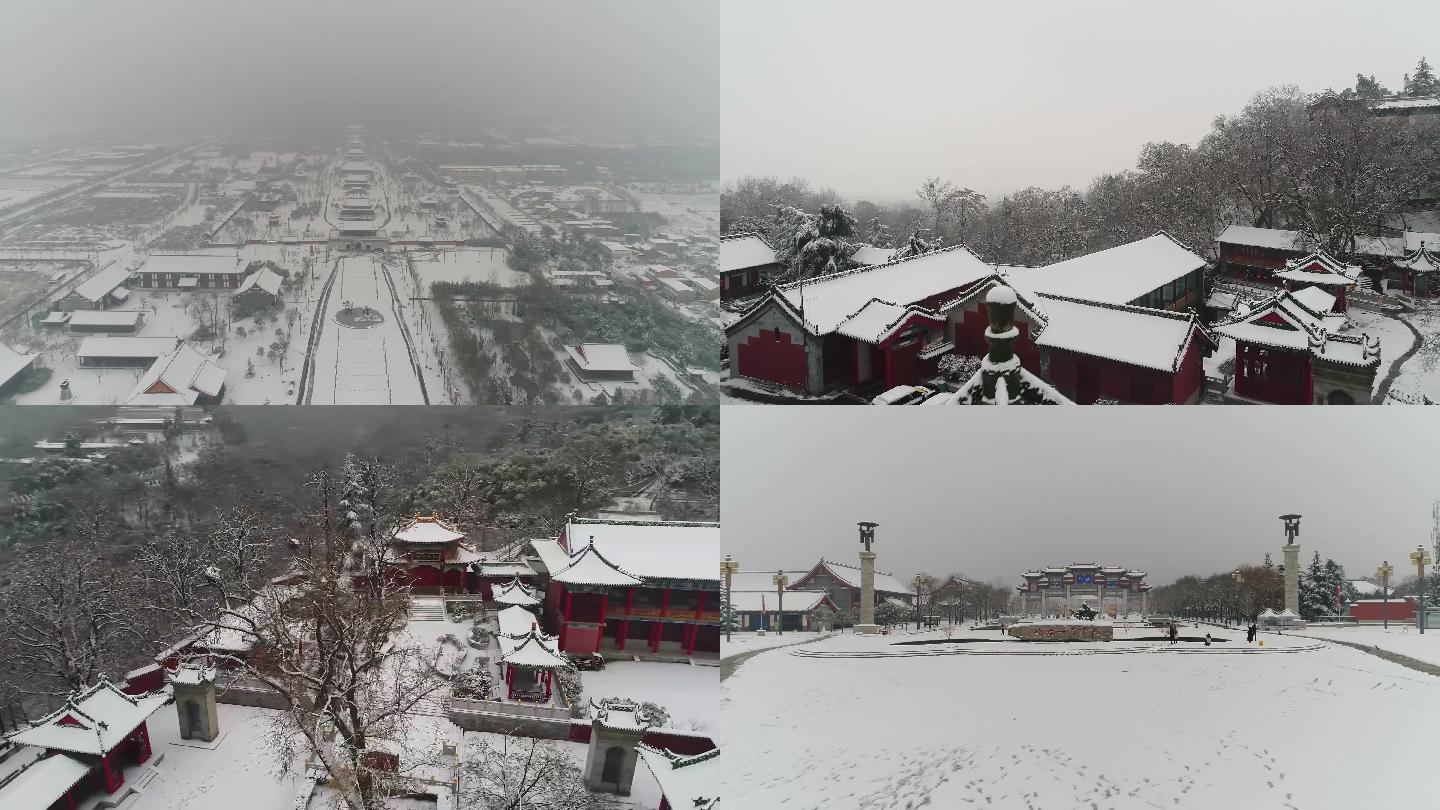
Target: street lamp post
pixel 1421 559
pixel 918 582
pixel 1239 580
pixel 1383 574
pixel 729 567
pixel 780 582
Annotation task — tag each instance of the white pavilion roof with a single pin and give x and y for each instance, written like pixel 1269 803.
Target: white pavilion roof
pixel 43 783
pixel 92 722
pixel 685 781
pixel 590 567
pixel 516 621
pixel 514 592
pixel 649 549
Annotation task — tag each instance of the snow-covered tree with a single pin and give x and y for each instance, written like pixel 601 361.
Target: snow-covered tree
pixel 1422 82
pixel 729 619
pixel 514 773
pixel 1367 88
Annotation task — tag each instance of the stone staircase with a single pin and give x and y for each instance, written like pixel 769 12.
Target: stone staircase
pixel 427 609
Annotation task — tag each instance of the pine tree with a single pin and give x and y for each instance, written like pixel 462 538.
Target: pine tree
pixel 1314 601
pixel 729 619
pixel 1422 82
pixel 1269 564
pixel 1367 88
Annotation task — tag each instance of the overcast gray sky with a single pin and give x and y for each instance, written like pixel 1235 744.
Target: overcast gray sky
pixel 993 492
pixel 72 65
pixel 871 98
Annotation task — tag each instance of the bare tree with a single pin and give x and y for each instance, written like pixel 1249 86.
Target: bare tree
pixel 525 772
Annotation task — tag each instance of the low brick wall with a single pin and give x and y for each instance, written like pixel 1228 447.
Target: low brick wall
pixel 542 727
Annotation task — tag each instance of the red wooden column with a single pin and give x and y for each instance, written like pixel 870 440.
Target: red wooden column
pixel 655 637
pixel 113 777
pixel 142 738
pixel 692 631
pixel 664 601
pixel 700 604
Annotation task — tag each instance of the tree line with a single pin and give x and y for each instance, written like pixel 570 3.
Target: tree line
pixel 1321 164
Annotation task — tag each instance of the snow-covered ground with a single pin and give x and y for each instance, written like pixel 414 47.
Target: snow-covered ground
pixel 367 366
pixel 469 264
pixel 1148 725
pixel 750 642
pixel 1401 638
pixel 688 692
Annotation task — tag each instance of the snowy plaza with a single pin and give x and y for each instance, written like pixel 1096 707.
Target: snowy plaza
pixel 973 720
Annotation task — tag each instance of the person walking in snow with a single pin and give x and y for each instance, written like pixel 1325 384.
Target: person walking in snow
pixel 1174 633
pixel 1250 632
pixel 1207 639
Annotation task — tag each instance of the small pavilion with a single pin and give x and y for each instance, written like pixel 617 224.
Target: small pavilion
pixel 529 657
pixel 515 592
pixel 98 731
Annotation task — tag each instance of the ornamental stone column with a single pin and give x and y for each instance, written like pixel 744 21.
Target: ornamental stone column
pixel 867 624
pixel 1292 562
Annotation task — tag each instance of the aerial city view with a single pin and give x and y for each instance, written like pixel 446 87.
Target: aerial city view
pixel 396 254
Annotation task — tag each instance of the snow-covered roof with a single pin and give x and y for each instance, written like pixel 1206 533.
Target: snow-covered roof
pixel 849 576
pixel 1317 302
pixel 1407 103
pixel 869 254
pixel 266 279
pixel 590 567
pixel 99 285
pixel 1139 336
pixel 830 300
pixel 651 549
pixel 91 722
pixel 514 592
pixel 745 250
pixel 1420 260
pixel 12 363
pixel 761 580
pixel 690 782
pixel 601 356
pixel 194 264
pixel 178 378
pixel 104 317
pixel 531 650
pixel 516 621
pixel 1273 238
pixel 1288 322
pixel 1119 275
pixel 127 346
pixel 795 601
pixel 878 320
pixel 43 782
pixel 426 529
pixel 1319 267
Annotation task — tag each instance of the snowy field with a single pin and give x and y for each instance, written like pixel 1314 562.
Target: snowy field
pixel 472 264
pixel 688 692
pixel 362 366
pixel 18 190
pixel 1401 638
pixel 750 642
pixel 1149 725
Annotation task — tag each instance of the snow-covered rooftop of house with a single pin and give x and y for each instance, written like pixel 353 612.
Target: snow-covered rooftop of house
pixel 1274 238
pixel 266 279
pixel 514 592
pixel 877 320
pixel 1139 336
pixel 91 722
pixel 1290 321
pixel 44 782
pixel 760 580
pixel 104 317
pixel 651 549
pixel 1407 103
pixel 795 601
pixel 869 254
pixel 193 263
pixel 601 356
pixel 99 285
pixel 850 575
pixel 531 650
pixel 1421 260
pixel 587 567
pixel 1318 303
pixel 1119 275
pixel 127 346
pixel 829 300
pixel 691 782
pixel 427 529
pixel 12 363
pixel 516 621
pixel 178 378
pixel 743 251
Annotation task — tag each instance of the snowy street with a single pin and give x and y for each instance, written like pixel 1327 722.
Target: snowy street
pixel 1230 725
pixel 365 364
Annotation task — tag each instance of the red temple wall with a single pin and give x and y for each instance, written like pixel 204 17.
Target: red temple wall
pixel 773 355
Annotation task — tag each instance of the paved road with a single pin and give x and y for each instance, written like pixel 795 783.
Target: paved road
pixel 732 663
pixel 1384 389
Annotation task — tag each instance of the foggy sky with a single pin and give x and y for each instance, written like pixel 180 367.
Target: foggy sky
pixel 317 65
pixel 871 98
pixel 995 492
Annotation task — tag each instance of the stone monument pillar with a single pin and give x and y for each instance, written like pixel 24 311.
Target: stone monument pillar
pixel 867 581
pixel 195 702
pixel 1292 562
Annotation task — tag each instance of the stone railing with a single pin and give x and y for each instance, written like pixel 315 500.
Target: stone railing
pixel 514 708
